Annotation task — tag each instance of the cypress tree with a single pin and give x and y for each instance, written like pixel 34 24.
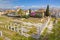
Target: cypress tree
pixel 29 10
pixel 47 11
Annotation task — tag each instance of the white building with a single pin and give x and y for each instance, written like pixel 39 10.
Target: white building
pixel 1 13
pixel 27 12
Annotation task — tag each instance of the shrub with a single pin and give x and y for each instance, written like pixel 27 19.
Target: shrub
pixel 38 15
pixel 25 16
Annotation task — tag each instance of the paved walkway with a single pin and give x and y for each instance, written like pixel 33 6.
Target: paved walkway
pixel 40 29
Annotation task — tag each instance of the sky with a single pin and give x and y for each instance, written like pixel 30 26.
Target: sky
pixel 28 3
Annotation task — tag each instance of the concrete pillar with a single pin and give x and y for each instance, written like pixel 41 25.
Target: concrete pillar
pixel 0 33
pixel 43 14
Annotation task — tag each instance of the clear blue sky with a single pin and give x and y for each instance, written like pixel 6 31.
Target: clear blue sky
pixel 28 3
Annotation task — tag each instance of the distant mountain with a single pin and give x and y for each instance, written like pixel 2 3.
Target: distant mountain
pixel 51 8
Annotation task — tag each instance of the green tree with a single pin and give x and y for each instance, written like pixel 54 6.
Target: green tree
pixel 20 12
pixel 47 11
pixel 29 10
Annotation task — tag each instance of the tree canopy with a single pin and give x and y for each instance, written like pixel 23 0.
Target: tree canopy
pixel 47 11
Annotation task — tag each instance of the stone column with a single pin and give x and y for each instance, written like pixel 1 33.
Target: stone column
pixel 0 33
